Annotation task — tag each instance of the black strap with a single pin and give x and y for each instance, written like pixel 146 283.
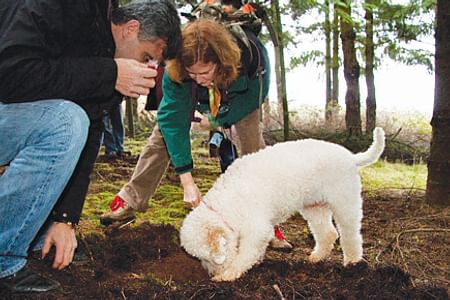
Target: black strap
pixel 194 97
pixel 260 71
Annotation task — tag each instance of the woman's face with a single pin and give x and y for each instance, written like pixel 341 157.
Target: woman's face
pixel 202 73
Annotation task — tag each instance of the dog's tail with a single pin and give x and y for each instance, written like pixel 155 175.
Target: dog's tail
pixel 374 152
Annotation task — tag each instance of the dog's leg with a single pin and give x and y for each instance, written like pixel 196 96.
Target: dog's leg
pixel 252 246
pixel 320 223
pixel 348 221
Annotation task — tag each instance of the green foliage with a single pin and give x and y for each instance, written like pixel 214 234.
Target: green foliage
pixel 297 8
pixel 305 58
pixel 396 26
pixel 410 56
pixel 402 24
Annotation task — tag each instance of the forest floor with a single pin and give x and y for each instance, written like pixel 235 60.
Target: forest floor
pixel 406 253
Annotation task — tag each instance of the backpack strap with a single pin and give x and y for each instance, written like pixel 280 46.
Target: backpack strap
pixel 194 98
pixel 260 71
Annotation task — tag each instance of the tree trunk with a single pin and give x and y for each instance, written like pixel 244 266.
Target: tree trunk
pixel 335 61
pixel 278 81
pixel 438 182
pixel 328 98
pixel 129 112
pixel 280 68
pixel 371 103
pixel 351 73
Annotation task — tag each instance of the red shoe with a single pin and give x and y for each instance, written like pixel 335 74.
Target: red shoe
pixel 279 242
pixel 120 211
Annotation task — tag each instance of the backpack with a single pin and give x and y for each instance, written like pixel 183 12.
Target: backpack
pixel 248 16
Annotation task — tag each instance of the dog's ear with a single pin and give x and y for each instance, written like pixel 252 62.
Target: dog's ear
pixel 217 244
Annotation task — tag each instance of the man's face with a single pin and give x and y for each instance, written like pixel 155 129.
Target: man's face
pixel 142 51
pixel 128 45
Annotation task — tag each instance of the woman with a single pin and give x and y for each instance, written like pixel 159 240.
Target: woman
pixel 222 78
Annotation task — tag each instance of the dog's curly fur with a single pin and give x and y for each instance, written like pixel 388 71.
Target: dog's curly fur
pixel 230 230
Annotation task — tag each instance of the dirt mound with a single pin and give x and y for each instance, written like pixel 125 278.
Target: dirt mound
pixel 146 262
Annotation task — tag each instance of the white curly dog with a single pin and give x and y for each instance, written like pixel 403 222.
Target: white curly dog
pixel 231 228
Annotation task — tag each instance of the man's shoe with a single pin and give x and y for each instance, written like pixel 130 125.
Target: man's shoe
pixel 120 212
pixel 27 281
pixel 111 155
pixel 123 154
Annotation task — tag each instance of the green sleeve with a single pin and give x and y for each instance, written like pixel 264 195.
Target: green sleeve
pixel 174 120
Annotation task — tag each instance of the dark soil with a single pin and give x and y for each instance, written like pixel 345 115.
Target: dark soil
pixel 146 263
pixel 405 245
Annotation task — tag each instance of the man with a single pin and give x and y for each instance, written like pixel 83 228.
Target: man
pixel 55 57
pixel 114 133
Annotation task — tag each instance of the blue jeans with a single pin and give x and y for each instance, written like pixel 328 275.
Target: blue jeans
pixel 41 142
pixel 114 133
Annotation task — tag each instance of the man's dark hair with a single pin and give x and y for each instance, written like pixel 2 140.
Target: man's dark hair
pixel 158 19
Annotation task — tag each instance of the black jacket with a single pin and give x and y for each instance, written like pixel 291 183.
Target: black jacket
pixel 61 49
pixel 54 49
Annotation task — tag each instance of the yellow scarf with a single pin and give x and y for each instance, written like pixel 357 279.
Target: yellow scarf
pixel 214 99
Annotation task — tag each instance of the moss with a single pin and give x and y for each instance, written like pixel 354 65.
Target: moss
pixel 385 175
pixel 152 280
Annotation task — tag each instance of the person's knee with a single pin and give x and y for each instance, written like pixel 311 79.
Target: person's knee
pixel 80 122
pixel 74 124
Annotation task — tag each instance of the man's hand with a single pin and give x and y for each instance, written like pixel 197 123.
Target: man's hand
pixel 62 236
pixel 192 194
pixel 134 78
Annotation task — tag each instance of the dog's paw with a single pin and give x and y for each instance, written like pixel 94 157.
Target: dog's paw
pixel 228 275
pixel 315 257
pixel 216 278
pixel 352 261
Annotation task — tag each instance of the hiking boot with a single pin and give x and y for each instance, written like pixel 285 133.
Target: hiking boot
pixel 27 281
pixel 279 242
pixel 123 154
pixel 111 155
pixel 120 212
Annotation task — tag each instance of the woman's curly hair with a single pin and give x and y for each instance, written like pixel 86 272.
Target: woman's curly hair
pixel 205 41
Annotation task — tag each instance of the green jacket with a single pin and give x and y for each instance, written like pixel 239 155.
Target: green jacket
pixel 176 108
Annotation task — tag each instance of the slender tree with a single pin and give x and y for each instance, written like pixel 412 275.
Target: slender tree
pixel 280 69
pixel 328 95
pixel 335 59
pixel 351 71
pixel 131 116
pixel 371 104
pixel 438 182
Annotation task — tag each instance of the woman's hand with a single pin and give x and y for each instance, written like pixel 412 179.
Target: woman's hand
pixel 192 194
pixel 204 123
